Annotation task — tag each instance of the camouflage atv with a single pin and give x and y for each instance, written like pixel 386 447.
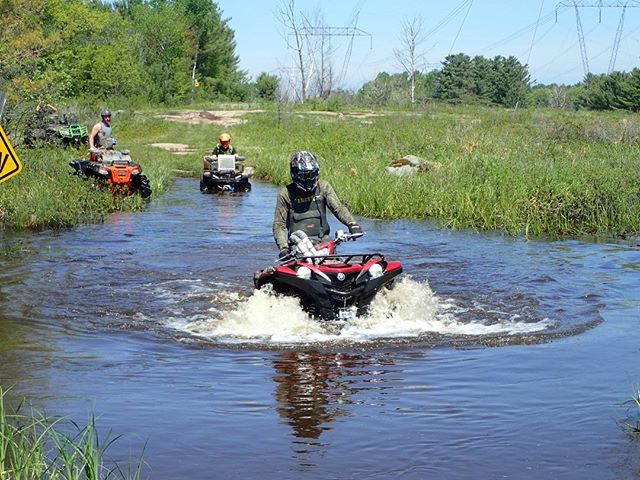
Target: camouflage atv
pixel 49 127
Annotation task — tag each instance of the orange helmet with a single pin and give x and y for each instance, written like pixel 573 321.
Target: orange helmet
pixel 225 138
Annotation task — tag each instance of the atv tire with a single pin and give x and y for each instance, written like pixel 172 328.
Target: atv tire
pixel 145 187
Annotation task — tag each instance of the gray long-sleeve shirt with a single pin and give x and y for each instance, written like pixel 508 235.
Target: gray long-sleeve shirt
pixel 284 208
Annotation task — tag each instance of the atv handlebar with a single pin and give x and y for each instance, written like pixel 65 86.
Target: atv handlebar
pixel 344 236
pixel 340 237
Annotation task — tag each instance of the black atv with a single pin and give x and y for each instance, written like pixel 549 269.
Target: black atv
pixel 226 174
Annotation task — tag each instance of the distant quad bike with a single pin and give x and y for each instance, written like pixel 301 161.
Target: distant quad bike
pixel 114 170
pixel 71 133
pixel 226 174
pixel 52 129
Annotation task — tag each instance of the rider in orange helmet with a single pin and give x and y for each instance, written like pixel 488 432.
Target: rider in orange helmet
pixel 224 147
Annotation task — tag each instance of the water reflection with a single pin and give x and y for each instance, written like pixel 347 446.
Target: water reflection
pixel 314 388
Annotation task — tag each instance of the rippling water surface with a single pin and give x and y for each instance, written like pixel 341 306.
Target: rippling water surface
pixel 492 358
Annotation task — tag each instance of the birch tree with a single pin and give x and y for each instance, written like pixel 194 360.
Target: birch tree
pixel 296 40
pixel 407 55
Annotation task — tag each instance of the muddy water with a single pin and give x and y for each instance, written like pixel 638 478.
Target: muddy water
pixel 492 358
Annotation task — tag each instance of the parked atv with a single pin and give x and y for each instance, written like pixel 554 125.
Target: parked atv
pixel 51 128
pixel 115 170
pixel 329 286
pixel 71 133
pixel 226 174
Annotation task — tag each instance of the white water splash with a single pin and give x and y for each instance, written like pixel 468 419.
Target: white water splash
pixel 410 309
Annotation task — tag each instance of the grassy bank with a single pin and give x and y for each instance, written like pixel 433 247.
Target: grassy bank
pixel 33 446
pixel 45 195
pixel 533 173
pixel 529 172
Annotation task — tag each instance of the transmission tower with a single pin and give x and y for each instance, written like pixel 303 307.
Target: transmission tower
pixel 335 31
pixel 322 31
pixel 599 4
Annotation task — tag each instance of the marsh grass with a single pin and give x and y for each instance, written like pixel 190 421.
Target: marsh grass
pixel 34 446
pixel 631 424
pixel 535 173
pixel 45 195
pixel 532 173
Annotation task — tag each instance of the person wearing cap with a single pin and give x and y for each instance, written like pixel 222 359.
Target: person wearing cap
pixel 99 133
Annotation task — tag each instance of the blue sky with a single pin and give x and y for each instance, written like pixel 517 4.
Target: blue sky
pixel 526 29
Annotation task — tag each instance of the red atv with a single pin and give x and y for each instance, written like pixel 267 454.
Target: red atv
pixel 115 170
pixel 329 286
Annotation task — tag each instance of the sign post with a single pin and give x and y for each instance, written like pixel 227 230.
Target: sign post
pixel 3 99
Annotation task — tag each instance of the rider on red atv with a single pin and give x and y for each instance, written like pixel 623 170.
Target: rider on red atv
pixel 302 205
pixel 100 132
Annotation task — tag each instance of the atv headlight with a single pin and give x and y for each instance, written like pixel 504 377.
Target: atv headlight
pixel 304 273
pixel 135 171
pixel 375 270
pixel 103 171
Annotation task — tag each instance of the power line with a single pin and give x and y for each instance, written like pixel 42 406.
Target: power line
pixel 525 30
pixel 461 25
pixel 533 39
pixel 599 4
pixel 449 17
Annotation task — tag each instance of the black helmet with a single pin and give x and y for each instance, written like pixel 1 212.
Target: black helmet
pixel 305 171
pixel 105 113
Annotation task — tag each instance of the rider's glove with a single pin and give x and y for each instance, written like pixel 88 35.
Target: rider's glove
pixel 283 253
pixel 354 228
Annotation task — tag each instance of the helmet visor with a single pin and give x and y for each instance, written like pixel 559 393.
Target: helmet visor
pixel 308 176
pixel 306 181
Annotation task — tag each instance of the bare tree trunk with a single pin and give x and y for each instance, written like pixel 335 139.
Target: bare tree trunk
pixel 321 52
pixel 407 55
pixel 287 16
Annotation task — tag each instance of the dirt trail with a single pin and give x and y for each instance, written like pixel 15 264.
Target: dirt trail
pixel 217 117
pixel 196 117
pixel 226 118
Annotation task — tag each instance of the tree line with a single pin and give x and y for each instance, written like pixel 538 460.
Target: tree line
pixel 179 51
pixel 157 50
pixel 503 82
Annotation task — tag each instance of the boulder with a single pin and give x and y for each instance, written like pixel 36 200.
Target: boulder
pixel 410 164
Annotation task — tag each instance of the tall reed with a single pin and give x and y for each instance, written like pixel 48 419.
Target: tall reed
pixel 34 447
pixel 631 424
pixel 533 173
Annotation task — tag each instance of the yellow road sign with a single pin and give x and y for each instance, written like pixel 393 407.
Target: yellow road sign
pixel 9 162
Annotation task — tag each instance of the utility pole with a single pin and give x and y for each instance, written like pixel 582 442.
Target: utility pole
pixel 599 4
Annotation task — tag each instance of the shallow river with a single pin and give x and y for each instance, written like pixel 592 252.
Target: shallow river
pixel 493 357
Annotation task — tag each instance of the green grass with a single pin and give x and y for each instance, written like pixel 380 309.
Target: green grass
pixel 34 446
pixel 535 173
pixel 631 425
pixel 45 195
pixel 518 172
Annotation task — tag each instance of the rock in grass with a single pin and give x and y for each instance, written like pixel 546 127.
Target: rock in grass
pixel 410 164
